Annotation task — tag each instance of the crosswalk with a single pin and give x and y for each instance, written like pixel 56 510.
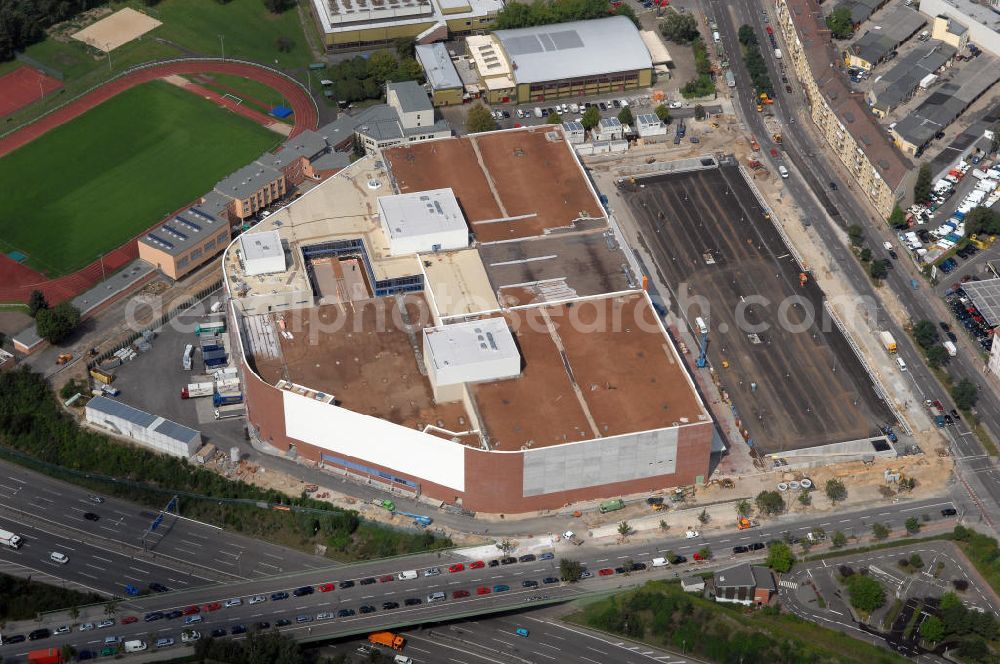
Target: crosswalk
pixel 791 585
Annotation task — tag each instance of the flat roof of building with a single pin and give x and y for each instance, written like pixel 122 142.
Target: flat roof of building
pixel 470 343
pixel 247 180
pixel 898 83
pixel 355 352
pixel 411 95
pixel 261 245
pixel 591 369
pixel 658 53
pixel 861 10
pixel 141 418
pixel 974 11
pixel 893 28
pixel 557 267
pixel 850 107
pixel 510 184
pixel 421 213
pixel 437 64
pixel 457 284
pixel 576 49
pixel 357 15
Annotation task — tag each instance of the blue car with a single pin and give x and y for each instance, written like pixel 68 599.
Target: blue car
pixel 501 588
pixel 278 596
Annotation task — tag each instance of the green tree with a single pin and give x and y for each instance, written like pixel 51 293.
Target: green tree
pixel 780 557
pixel 570 571
pixel 922 187
pixel 625 116
pixel 663 113
pixel 57 323
pixel 664 526
pixel 554 118
pixel 865 254
pixel 925 333
pixel 981 220
pixel 405 47
pixel 805 498
pixel 591 118
pixel 937 356
pixel 37 302
pixel 897 217
pixel 866 594
pixel 836 491
pixel 747 36
pixel 916 562
pixel 278 6
pixel 68 653
pixel 704 517
pixel 838 539
pixel 879 269
pixel 932 630
pixel 856 235
pixel 705 553
pixel 839 22
pixel 965 393
pixel 284 44
pixel 770 502
pixel 479 119
pixel 624 529
pixel 880 531
pixel 679 28
pixel 743 508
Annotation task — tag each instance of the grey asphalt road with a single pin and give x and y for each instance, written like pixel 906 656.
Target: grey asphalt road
pixel 809 186
pixel 376 593
pixel 108 553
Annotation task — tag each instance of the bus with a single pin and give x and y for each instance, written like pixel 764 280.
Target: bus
pixel 215 327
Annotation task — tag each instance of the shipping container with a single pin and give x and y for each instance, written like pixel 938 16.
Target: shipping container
pixel 213 327
pixel 102 376
pixel 612 505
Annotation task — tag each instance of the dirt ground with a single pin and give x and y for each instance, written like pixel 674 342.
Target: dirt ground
pixel 120 28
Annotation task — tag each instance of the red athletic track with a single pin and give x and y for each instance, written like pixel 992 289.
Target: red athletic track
pixel 17 281
pixel 23 86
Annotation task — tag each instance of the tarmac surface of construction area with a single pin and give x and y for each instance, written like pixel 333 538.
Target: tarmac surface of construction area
pixel 792 375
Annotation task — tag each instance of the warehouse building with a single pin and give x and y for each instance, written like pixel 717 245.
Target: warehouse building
pixel 949 100
pixel 841 115
pixel 363 24
pixel 515 407
pixel 880 43
pixel 442 77
pixel 152 431
pixel 981 22
pixel 861 10
pixel 185 242
pixel 907 75
pixel 574 59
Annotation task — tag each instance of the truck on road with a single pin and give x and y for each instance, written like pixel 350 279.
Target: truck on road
pixel 888 341
pixel 571 537
pixel 45 656
pixel 194 390
pixel 951 348
pixel 388 639
pixel 8 538
pixel 226 399
pixel 612 505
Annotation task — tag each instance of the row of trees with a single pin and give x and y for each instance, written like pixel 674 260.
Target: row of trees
pixel 754 60
pixel 703 84
pixel 546 12
pixel 878 269
pixel 362 78
pixel 965 393
pixel 32 424
pixel 23 599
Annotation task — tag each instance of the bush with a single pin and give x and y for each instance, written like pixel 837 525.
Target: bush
pixel 770 502
pixel 55 324
pixel 570 571
pixel 679 28
pixel 866 594
pixel 545 12
pixel 836 491
pixel 780 557
pixel 23 599
pixel 479 119
pixel 965 393
pixel 839 22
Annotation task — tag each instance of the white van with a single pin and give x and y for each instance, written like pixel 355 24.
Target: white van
pixel 783 171
pixel 135 646
pixel 408 575
pixel 715 37
pixel 660 562
pixel 901 363
pixel 538 112
pixel 217 307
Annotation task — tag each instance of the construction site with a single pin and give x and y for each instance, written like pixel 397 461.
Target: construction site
pixel 792 378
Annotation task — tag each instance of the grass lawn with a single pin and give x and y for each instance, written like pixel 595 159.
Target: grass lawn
pixel 255 95
pixel 190 28
pixel 93 183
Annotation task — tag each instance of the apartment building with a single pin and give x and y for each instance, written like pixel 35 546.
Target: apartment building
pixel 842 116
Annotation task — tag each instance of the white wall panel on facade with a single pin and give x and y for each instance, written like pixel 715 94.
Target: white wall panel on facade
pixel 601 461
pixel 374 440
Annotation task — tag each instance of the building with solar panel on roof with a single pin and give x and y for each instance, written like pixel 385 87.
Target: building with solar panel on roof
pixel 574 59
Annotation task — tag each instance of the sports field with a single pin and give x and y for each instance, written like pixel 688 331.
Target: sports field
pixel 97 181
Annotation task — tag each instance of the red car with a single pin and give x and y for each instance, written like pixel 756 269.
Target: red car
pixel 325 587
pixel 769 30
pixel 459 594
pixel 387 578
pixel 479 564
pixel 128 620
pixel 213 606
pixel 698 556
pixel 607 571
pixel 483 590
pixel 457 567
pixel 191 610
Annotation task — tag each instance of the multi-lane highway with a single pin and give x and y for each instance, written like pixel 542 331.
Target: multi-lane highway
pixel 371 596
pixel 812 172
pixel 104 541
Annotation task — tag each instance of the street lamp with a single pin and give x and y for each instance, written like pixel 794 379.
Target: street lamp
pixel 222 45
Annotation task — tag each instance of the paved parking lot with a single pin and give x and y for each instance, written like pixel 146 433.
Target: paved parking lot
pixel 153 380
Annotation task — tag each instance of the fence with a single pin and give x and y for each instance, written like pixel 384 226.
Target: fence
pixel 31 62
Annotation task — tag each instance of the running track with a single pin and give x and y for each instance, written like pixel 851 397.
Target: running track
pixel 302 106
pixel 16 280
